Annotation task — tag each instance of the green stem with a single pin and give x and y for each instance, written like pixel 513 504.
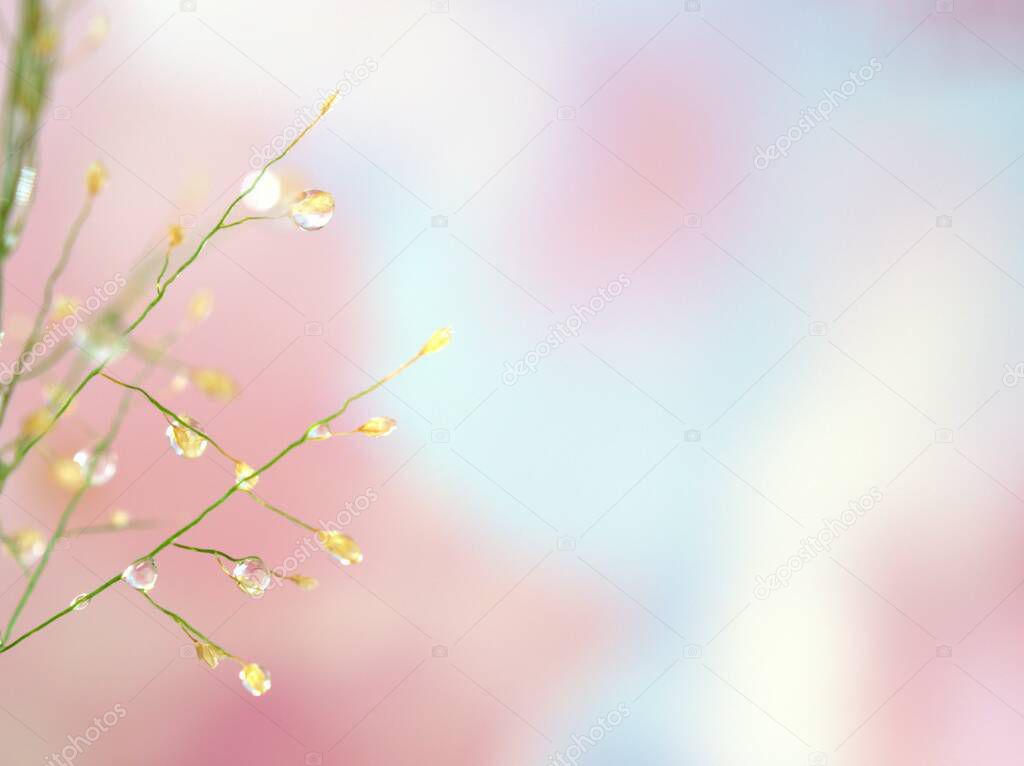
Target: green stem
pixel 44 308
pixel 171 539
pixel 184 624
pixel 211 552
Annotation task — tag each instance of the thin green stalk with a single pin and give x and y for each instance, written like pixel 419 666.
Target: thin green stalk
pixel 172 538
pixel 210 551
pixel 47 303
pixel 161 291
pixel 185 625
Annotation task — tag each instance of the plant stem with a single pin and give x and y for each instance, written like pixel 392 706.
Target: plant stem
pixel 210 551
pixel 171 539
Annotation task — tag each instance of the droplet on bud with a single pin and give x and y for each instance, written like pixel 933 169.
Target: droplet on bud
pixel 264 194
pixel 242 470
pixel 252 576
pixel 28 545
pixel 437 341
pixel 343 548
pixel 102 471
pixel 312 210
pixel 319 432
pixel 377 427
pixel 184 441
pixel 67 474
pixel 255 679
pixel 102 343
pixel 79 602
pixel 175 235
pixel 141 575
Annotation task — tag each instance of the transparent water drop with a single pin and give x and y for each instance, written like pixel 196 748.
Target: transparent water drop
pixel 242 470
pixel 104 468
pixel 141 575
pixel 255 679
pixel 101 343
pixel 26 185
pixel 265 194
pixel 312 210
pixel 185 442
pixel 342 548
pixel 28 545
pixel 79 602
pixel 319 432
pixel 252 576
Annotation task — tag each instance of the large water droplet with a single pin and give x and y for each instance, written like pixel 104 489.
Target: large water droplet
pixel 141 575
pixel 319 432
pixel 104 468
pixel 312 210
pixel 184 441
pixel 252 576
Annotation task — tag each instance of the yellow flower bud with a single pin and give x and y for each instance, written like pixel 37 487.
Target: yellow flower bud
pixel 209 654
pixel 243 469
pixel 437 341
pixel 120 519
pixel 67 474
pixel 214 383
pixel 200 306
pixel 95 178
pixel 377 427
pixel 343 548
pixel 306 583
pixel 175 235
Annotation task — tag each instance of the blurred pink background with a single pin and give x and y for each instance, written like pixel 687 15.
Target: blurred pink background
pixel 590 532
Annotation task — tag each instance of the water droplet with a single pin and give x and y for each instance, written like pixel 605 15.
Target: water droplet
pixel 265 194
pixel 252 576
pixel 185 442
pixel 100 343
pixel 241 471
pixel 312 210
pixel 102 471
pixel 255 679
pixel 319 432
pixel 141 575
pixel 28 546
pixel 26 185
pixel 79 602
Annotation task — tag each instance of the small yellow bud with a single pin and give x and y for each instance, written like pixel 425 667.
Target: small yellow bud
pixel 64 307
pixel 209 654
pixel 175 235
pixel 328 102
pixel 67 474
pixel 99 27
pixel 377 427
pixel 343 548
pixel 214 383
pixel 36 423
pixel 201 306
pixel 45 41
pixel 243 469
pixel 255 679
pixel 306 583
pixel 437 341
pixel 120 519
pixel 95 178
